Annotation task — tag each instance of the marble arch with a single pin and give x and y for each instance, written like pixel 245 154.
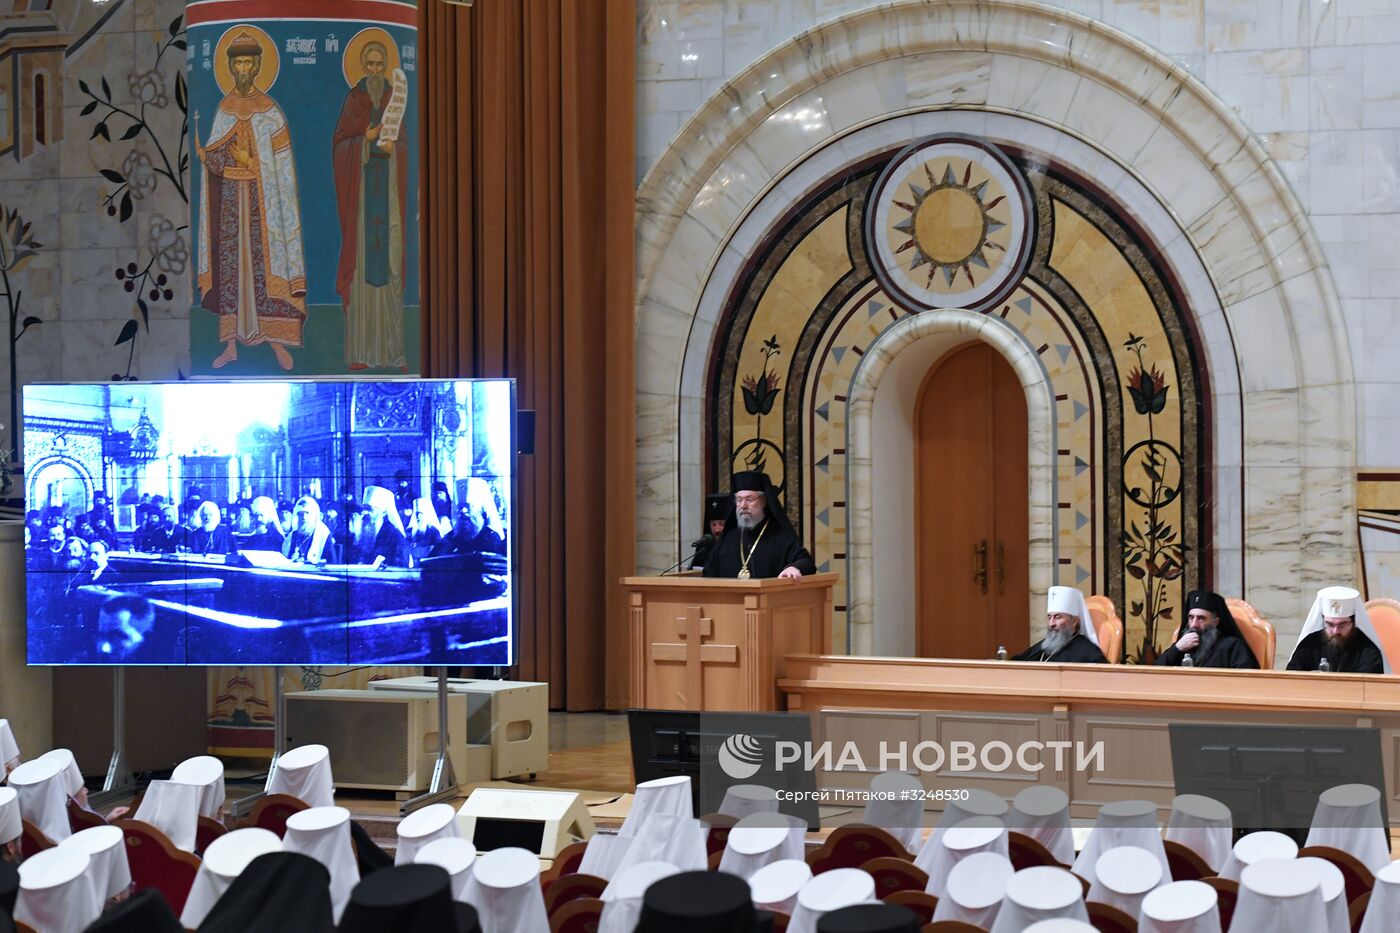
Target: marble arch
pixel 1145 117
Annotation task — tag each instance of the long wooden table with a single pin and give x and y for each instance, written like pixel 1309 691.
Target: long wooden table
pixel 866 700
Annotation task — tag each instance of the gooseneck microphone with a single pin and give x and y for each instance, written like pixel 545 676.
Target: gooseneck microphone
pixel 695 545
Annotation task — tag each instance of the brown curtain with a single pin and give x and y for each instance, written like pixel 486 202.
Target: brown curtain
pixel 528 191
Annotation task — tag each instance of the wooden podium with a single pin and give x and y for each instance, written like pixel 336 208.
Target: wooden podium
pixel 718 644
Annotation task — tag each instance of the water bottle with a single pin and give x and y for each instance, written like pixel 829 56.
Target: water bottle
pixel 1186 661
pixel 1001 652
pixel 1323 666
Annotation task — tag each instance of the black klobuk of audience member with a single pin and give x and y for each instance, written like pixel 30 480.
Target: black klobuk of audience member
pixel 9 893
pixel 870 918
pixel 405 897
pixel 144 912
pixel 698 902
pixel 279 892
pixel 368 855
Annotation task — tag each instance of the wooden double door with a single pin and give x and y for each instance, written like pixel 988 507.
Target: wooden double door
pixel 972 486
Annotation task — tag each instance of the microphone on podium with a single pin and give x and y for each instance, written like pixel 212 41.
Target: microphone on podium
pixel 705 539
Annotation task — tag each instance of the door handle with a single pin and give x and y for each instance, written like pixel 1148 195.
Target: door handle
pixel 979 565
pixel 1001 567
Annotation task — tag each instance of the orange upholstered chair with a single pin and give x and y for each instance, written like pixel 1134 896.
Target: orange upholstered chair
pixel 156 863
pixel 1108 626
pixel 1258 632
pixel 1385 616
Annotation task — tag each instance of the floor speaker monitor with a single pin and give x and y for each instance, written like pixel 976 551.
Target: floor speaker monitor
pixel 377 739
pixel 542 821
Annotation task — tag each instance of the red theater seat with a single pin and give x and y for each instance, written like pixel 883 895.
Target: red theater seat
pixel 271 812
pixel 156 863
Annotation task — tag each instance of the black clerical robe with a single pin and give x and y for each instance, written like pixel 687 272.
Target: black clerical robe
pixel 1361 656
pixel 1227 651
pixel 775 551
pixel 1079 650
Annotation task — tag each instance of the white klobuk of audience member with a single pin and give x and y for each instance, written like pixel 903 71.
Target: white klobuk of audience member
pixel 73 783
pixel 897 807
pixel 676 840
pixel 979 834
pixel 223 862
pixel 667 796
pixel 207 773
pixel 1202 825
pixel 1060 925
pixel 1180 907
pixel 602 855
pixel 1123 876
pixel 775 885
pixel 622 898
pixel 1334 900
pixel 323 833
pixel 11 824
pixel 305 773
pixel 172 808
pixel 1042 813
pixel 43 796
pixel 1337 601
pixel 1040 893
pixel 9 748
pixel 56 893
pixel 976 803
pixel 1257 847
pixel 453 855
pixel 505 890
pixel 1280 896
pixel 740 800
pixel 1348 817
pixel 831 890
pixel 1122 823
pixel 974 890
pixel 109 870
pixel 1383 912
pixel 436 821
pixel 758 840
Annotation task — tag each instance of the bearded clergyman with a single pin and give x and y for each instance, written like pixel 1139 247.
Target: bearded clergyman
pixel 1070 637
pixel 1338 636
pixel 1209 636
pixel 758 539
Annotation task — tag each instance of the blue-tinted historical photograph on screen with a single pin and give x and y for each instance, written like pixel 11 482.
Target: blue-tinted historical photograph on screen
pixel 267 523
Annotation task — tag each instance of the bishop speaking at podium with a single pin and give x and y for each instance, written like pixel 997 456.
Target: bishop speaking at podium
pixel 758 539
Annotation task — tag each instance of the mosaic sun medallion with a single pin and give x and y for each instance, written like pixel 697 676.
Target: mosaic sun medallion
pixel 951 225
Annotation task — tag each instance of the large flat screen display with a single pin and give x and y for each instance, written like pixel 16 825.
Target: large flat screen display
pixel 265 523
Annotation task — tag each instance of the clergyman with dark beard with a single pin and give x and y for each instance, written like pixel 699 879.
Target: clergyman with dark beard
pixel 1339 632
pixel 1209 636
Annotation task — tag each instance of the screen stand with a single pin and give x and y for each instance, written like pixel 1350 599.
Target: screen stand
pixel 244 805
pixel 444 783
pixel 118 782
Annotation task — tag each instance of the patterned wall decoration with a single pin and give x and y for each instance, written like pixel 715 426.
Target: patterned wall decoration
pixel 955 222
pixel 304 199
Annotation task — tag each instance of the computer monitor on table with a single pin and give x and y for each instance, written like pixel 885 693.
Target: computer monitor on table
pixel 1271 776
pixel 671 742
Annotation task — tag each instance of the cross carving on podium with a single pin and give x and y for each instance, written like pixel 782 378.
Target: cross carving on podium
pixel 693 628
